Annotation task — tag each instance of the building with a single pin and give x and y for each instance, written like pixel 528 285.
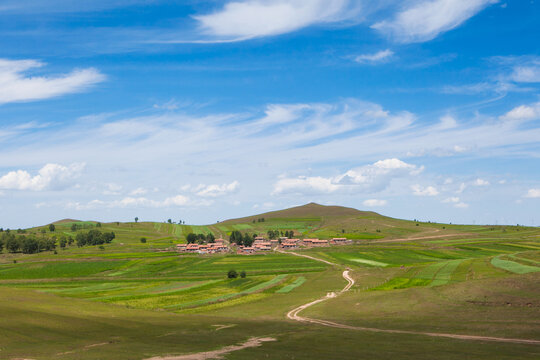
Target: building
pixel 340 241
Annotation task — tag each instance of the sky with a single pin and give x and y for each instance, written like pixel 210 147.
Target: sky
pixel 204 110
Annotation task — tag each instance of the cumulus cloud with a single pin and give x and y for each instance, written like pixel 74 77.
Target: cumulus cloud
pixel 481 182
pixel 528 72
pixel 374 202
pixel 533 193
pixel 523 113
pixel 240 20
pixel 378 57
pixel 424 20
pixel 49 177
pixel 419 190
pixel 215 190
pixel 16 87
pixel 372 178
pixel 456 202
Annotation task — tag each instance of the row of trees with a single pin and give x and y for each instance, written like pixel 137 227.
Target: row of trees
pixel 192 238
pixel 274 234
pixel 258 220
pixel 242 239
pixel 94 237
pixel 27 244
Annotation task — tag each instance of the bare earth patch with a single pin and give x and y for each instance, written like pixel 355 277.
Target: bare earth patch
pixel 216 354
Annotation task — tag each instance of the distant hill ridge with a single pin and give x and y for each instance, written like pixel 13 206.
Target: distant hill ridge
pixel 306 211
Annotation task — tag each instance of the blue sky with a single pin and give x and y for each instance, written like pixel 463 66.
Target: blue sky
pixel 206 110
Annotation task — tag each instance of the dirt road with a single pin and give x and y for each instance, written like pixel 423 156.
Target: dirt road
pixel 294 315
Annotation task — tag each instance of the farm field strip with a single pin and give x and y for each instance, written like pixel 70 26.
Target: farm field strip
pixel 288 288
pixel 513 266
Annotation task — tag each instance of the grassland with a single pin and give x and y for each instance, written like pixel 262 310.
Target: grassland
pixel 131 301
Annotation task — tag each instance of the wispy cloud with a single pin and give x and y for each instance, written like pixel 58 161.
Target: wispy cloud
pixel 533 193
pixel 375 58
pixel 423 20
pixel 247 19
pixel 15 87
pixel 374 202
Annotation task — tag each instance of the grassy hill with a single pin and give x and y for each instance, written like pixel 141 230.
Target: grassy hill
pixel 126 300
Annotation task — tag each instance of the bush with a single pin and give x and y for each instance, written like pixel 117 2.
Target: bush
pixel 243 274
pixel 143 240
pixel 232 274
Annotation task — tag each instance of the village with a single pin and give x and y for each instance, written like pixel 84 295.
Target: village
pixel 260 245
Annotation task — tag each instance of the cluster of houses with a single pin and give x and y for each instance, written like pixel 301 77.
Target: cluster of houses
pixel 219 246
pixel 260 244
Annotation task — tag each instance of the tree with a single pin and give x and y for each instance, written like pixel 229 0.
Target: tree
pixel 74 227
pixel 63 242
pixel 210 238
pixel 236 237
pixel 143 240
pixel 191 238
pixel 136 219
pixel 248 240
pixel 98 225
pixel 232 274
pixel 169 221
pixel 29 245
pixel 243 274
pixel 12 244
pixel 52 227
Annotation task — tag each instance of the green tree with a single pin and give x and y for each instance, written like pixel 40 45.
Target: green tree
pixel 12 243
pixel 191 238
pixel 232 274
pixel 63 242
pixel 136 219
pixel 98 225
pixel 143 240
pixel 52 227
pixel 243 274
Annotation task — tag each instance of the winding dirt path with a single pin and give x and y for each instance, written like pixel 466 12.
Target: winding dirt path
pixel 216 354
pixel 294 315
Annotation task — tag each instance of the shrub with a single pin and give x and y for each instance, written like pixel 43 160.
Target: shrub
pixel 232 274
pixel 143 240
pixel 243 274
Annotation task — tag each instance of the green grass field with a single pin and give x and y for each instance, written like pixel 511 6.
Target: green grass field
pixel 131 301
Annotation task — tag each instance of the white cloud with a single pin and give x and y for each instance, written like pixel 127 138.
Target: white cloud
pixel 481 182
pixel 215 190
pixel 451 200
pixel 372 178
pixel 374 202
pixel 112 189
pixel 424 191
pixel 424 20
pixel 523 113
pixel 533 193
pixel 240 20
pixel 527 73
pixel 377 57
pixel 139 202
pixel 461 205
pixel 138 191
pixel 15 87
pixel 461 188
pixel 49 177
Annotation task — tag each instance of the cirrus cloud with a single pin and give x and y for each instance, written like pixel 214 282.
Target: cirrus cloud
pixel 16 87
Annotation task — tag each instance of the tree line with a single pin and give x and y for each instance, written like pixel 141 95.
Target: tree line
pixel 238 238
pixel 274 234
pixel 27 244
pixel 94 237
pixel 192 238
